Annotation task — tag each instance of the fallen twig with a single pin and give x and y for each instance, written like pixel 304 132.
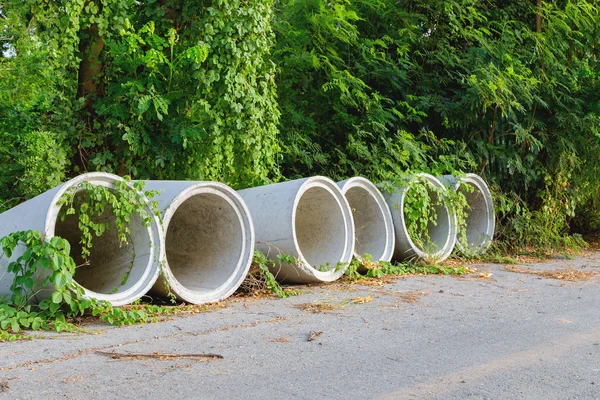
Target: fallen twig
pixel 160 356
pixel 314 335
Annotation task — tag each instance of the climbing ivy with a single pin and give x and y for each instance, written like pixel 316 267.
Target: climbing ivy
pixel 44 295
pixel 190 91
pixel 90 203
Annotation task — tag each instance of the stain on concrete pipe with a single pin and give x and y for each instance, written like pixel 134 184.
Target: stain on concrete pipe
pixel 481 218
pixel 110 261
pixel 373 225
pixel 308 219
pixel 209 240
pixel 440 234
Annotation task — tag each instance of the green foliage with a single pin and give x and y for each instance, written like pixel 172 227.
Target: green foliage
pixel 44 270
pixel 44 295
pixel 33 155
pixel 421 201
pixel 30 163
pixel 267 276
pixel 457 202
pixel 190 97
pixel 365 268
pixel 485 89
pixel 159 89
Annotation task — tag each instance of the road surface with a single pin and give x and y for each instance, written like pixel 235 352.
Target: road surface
pixel 493 334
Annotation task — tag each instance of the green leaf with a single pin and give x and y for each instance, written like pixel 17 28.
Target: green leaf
pixel 60 280
pixel 36 324
pixel 57 297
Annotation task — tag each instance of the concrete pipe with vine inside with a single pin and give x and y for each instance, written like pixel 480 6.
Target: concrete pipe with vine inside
pixel 305 226
pixel 114 270
pixel 424 223
pixel 475 233
pixel 209 240
pixel 373 223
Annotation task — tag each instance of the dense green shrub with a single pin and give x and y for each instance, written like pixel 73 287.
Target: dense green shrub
pixel 490 89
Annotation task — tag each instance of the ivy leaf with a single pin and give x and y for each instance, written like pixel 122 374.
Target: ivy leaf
pixel 57 297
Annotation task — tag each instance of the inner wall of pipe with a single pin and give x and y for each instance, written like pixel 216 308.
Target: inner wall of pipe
pixel 477 218
pixel 113 267
pixel 204 242
pixel 320 228
pixel 438 230
pixel 369 224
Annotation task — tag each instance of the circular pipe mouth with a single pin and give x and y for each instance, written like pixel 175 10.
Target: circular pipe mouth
pixel 323 229
pixel 480 219
pixel 119 273
pixel 437 241
pixel 373 224
pixel 209 243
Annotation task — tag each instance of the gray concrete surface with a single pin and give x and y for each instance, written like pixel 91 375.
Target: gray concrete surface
pixel 502 336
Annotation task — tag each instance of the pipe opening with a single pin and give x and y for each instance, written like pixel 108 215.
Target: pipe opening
pixel 477 215
pixel 320 228
pixel 435 237
pixel 204 242
pixel 113 267
pixel 369 223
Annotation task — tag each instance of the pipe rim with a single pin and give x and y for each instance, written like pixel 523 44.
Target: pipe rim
pixel 448 246
pixel 348 252
pixel 240 208
pixel 375 193
pixel 481 185
pixel 151 270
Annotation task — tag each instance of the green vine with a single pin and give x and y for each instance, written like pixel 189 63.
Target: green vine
pixel 364 267
pixel 263 263
pixel 420 210
pixel 457 201
pixel 45 271
pixel 91 203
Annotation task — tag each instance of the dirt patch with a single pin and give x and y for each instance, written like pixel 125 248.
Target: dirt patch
pixel 362 300
pixel 408 296
pixel 563 274
pixel 477 276
pixel 413 296
pixel 321 307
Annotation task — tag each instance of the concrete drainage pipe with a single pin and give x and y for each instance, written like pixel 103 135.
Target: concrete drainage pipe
pixel 308 219
pixel 110 261
pixel 481 219
pixel 437 242
pixel 373 224
pixel 209 240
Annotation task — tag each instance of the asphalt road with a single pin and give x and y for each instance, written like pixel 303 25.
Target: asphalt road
pixel 490 335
